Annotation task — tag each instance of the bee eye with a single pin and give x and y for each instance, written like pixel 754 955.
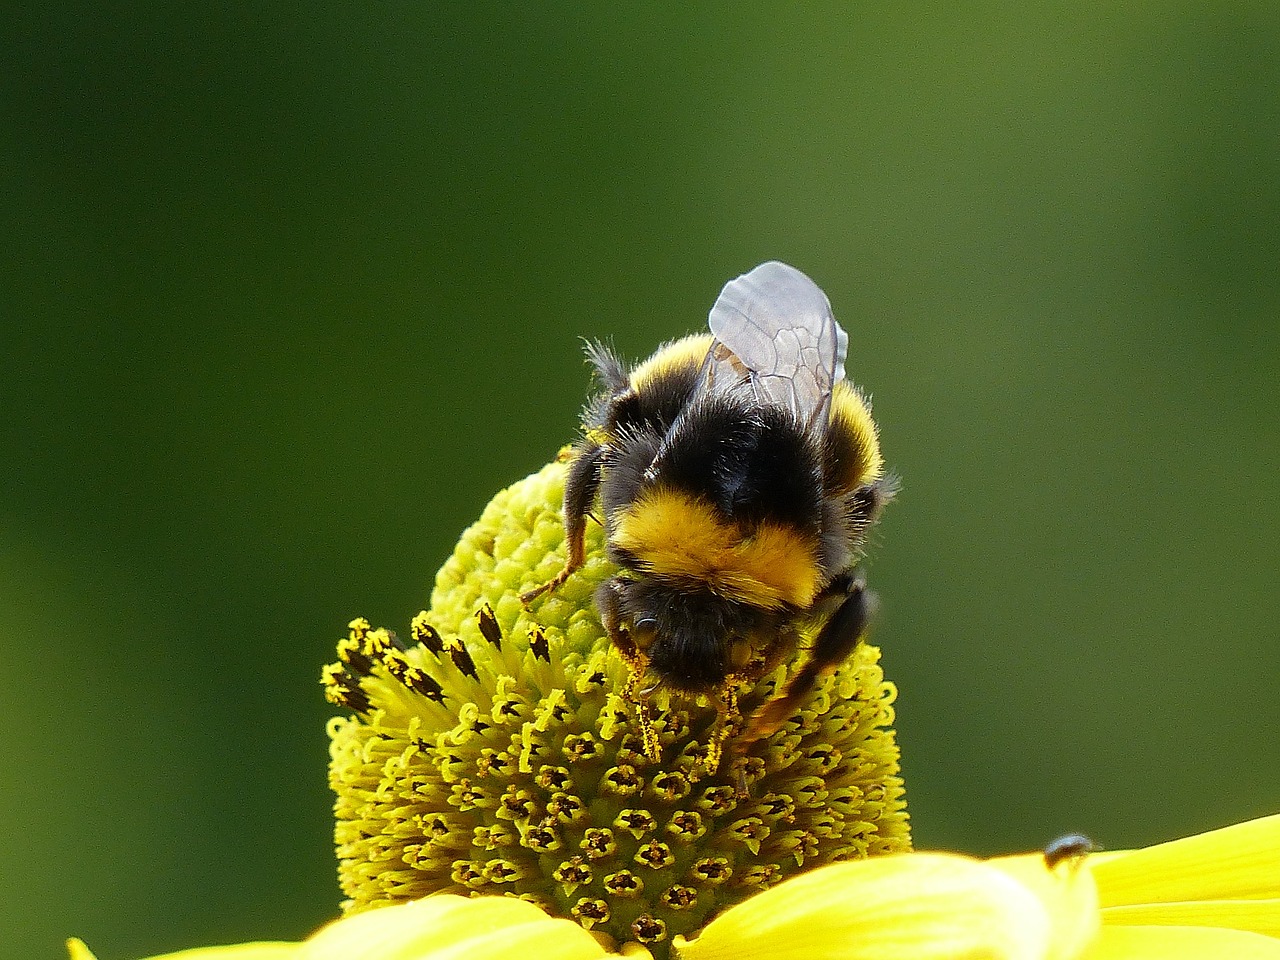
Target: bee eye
pixel 644 630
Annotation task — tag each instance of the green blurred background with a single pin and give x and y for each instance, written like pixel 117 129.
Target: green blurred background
pixel 289 290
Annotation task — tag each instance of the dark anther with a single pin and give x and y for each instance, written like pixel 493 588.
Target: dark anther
pixel 538 644
pixel 489 626
pixel 427 635
pixel 462 660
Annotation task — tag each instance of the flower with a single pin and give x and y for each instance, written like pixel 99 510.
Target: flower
pixel 494 801
pixel 494 754
pixel 1215 895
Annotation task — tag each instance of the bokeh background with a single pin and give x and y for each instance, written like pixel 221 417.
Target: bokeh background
pixel 289 290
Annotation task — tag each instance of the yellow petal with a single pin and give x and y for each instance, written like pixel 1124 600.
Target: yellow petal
pixel 453 928
pixel 1240 862
pixel 1067 893
pixel 1256 916
pixel 910 907
pixel 1181 943
pixel 240 951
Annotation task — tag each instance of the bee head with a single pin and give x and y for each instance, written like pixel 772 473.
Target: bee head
pixel 692 639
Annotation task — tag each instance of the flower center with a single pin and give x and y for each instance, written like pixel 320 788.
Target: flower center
pixel 494 754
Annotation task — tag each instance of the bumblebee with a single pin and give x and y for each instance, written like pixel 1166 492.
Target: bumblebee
pixel 737 475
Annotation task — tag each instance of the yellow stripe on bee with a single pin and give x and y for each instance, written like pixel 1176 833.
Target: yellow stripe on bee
pixel 851 414
pixel 688 351
pixel 675 536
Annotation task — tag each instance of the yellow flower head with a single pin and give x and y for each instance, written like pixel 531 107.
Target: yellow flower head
pixel 497 801
pixel 492 753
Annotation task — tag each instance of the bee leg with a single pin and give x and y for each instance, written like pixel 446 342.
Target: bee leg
pixel 637 664
pixel 580 488
pixel 728 717
pixel 842 632
pixel 639 701
pixel 746 678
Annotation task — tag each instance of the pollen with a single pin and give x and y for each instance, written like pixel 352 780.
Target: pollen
pixel 490 751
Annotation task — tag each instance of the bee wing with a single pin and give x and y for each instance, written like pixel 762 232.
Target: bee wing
pixel 774 330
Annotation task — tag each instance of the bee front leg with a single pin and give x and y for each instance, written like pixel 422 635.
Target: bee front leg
pixel 608 603
pixel 580 488
pixel 842 632
pixel 728 719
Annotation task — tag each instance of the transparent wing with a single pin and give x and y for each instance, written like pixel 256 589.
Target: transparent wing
pixel 774 332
